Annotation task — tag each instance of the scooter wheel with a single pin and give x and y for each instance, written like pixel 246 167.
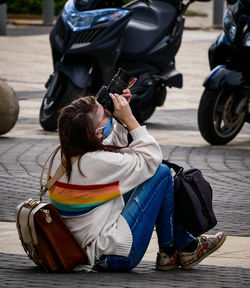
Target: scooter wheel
pixel 221 114
pixel 143 111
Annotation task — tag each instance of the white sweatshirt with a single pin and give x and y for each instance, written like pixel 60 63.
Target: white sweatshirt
pixel 103 228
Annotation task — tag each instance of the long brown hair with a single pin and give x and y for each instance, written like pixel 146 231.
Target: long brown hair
pixel 77 131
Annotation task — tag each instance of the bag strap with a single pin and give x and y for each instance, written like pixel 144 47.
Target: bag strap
pixel 177 169
pixel 59 172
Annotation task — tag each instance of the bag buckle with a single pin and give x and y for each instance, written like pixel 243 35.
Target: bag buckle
pixel 30 203
pixel 179 172
pixel 43 191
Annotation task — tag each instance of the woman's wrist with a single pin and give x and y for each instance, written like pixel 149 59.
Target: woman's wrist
pixel 131 123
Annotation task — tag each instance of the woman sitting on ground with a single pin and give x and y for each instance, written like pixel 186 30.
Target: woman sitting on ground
pixel 114 195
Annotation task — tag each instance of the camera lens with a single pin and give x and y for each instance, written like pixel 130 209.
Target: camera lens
pixel 124 76
pixel 120 81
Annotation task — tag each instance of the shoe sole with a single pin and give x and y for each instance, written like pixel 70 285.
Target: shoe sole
pixel 166 268
pixel 191 265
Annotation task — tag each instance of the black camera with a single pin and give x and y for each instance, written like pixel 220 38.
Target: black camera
pixel 119 82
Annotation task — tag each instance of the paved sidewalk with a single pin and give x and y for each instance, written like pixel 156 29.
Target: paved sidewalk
pixel 25 64
pixel 235 252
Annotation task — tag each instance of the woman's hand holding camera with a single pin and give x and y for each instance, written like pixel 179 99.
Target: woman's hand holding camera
pixel 122 109
pixel 126 92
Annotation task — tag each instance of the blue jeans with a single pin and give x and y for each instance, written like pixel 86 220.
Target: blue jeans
pixel 150 204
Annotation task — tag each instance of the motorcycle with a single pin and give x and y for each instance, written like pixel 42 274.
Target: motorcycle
pixel 92 39
pixel 225 106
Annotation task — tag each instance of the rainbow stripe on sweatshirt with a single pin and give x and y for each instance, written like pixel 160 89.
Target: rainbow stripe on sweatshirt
pixel 73 200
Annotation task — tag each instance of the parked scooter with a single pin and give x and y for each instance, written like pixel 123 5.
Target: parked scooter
pixel 224 106
pixel 92 39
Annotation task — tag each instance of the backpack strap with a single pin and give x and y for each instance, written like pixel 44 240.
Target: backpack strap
pixel 59 172
pixel 177 169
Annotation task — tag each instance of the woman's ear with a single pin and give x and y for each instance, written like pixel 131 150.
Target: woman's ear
pixel 98 134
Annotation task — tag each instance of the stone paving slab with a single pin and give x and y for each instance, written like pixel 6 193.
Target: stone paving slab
pixel 19 271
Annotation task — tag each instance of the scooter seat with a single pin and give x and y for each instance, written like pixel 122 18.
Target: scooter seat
pixel 147 26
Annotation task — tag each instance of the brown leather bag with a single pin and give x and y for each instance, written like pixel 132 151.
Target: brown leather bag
pixel 43 233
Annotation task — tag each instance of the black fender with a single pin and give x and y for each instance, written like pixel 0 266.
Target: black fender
pixel 220 76
pixel 78 73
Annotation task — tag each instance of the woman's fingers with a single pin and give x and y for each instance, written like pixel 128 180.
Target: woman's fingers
pixel 113 98
pixel 121 105
pixel 117 100
pixel 120 99
pixel 132 82
pixel 126 93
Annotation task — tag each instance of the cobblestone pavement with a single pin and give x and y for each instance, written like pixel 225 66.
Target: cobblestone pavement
pixel 18 271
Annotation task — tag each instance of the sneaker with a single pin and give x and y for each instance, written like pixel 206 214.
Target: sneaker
pixel 167 262
pixel 206 246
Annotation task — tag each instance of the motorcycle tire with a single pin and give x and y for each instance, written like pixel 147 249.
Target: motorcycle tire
pixel 143 112
pixel 221 114
pixel 61 92
pixel 9 108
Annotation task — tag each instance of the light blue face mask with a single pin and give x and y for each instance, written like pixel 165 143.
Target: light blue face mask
pixel 108 128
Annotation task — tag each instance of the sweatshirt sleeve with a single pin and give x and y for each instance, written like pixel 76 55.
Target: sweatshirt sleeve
pixel 131 166
pixel 119 136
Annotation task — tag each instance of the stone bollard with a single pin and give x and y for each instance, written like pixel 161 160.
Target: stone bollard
pixel 9 108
